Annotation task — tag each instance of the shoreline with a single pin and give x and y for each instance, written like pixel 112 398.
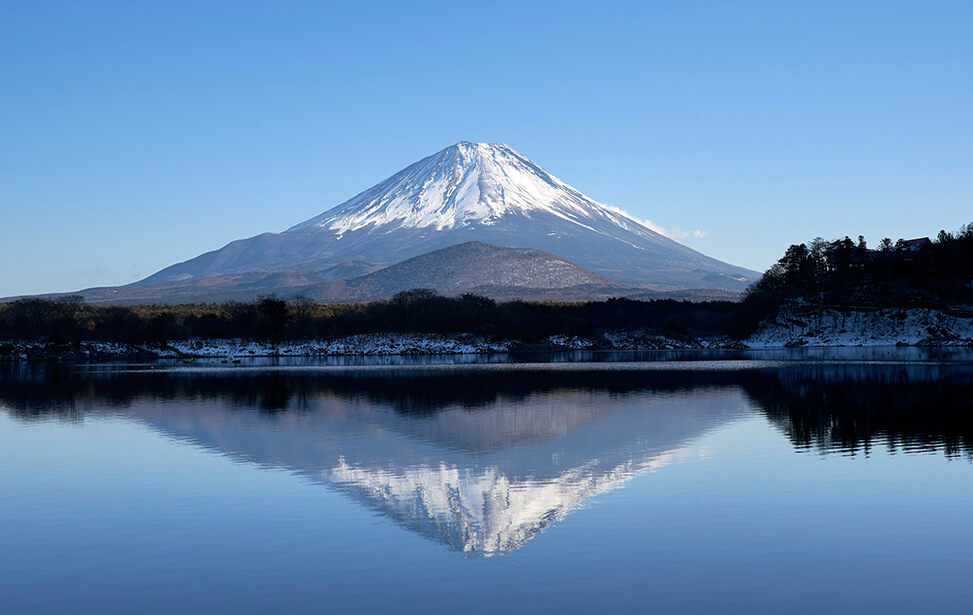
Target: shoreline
pixel 392 344
pixel 375 344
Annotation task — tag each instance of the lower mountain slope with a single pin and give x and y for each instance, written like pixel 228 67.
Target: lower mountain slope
pixel 501 273
pixel 627 258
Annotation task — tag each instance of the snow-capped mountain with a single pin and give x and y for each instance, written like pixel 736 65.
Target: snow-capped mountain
pixel 470 192
pixel 466 185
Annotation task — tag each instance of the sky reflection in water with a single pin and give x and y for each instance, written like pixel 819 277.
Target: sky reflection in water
pixel 754 483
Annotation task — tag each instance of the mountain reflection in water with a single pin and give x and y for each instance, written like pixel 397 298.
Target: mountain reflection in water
pixel 483 458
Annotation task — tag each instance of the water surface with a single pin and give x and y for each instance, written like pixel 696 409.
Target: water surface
pixel 732 481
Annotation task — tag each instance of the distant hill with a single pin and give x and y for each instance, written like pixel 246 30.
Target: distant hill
pixel 473 266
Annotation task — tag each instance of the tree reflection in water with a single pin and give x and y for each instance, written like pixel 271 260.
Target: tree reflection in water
pixel 843 407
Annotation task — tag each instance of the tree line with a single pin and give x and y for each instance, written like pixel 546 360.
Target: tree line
pixel 70 319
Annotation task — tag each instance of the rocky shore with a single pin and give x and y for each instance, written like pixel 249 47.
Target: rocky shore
pixel 799 324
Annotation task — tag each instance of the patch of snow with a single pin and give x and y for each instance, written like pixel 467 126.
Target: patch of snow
pixel 573 342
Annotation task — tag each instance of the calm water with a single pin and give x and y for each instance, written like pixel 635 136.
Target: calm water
pixel 737 482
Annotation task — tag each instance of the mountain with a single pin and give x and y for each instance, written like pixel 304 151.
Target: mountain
pixel 481 192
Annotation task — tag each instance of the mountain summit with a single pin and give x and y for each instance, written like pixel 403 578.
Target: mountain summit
pixel 464 185
pixel 481 192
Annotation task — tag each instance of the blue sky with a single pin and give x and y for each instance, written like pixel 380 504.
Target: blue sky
pixel 140 134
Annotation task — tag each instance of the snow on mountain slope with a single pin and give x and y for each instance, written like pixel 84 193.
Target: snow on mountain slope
pixel 464 184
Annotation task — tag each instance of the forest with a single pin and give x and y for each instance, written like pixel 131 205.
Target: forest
pixel 69 319
pixel 844 273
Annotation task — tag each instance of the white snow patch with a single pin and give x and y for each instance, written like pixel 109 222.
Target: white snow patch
pixel 469 183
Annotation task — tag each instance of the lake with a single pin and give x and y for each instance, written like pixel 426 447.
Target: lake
pixel 786 481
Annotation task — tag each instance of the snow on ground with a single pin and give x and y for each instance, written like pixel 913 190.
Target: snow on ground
pixel 366 344
pixel 804 326
pixel 573 342
pixel 427 343
pixel 639 339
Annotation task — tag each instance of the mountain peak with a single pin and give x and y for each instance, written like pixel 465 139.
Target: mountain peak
pixel 479 147
pixel 466 184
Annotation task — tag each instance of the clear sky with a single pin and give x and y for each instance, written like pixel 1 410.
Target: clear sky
pixel 136 135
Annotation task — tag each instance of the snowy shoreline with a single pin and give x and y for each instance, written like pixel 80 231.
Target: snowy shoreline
pixel 795 326
pixel 373 344
pixel 802 325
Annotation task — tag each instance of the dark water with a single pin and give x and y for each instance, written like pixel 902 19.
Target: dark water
pixel 805 481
